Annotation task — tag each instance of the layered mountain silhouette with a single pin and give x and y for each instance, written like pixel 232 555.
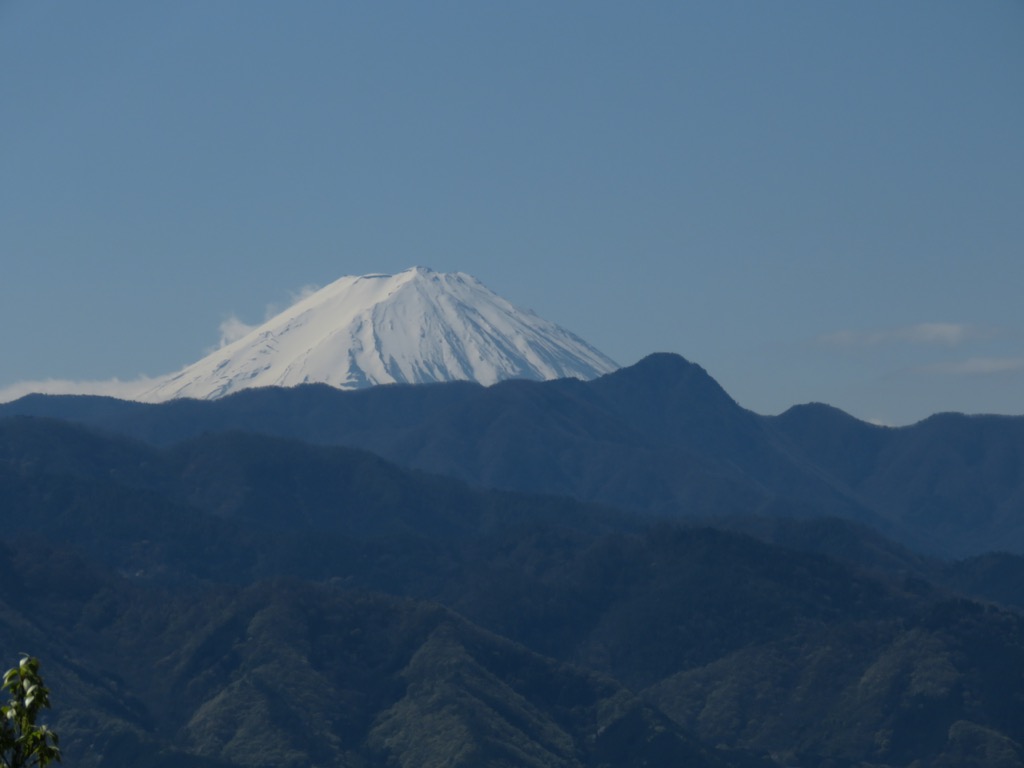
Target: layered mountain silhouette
pixel 623 571
pixel 241 600
pixel 660 438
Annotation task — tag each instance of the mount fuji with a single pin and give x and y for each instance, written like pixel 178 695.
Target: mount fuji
pixel 417 326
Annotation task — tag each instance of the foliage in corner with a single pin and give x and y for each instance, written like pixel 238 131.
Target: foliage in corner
pixel 23 743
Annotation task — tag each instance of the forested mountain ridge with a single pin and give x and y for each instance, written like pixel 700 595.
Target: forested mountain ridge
pixel 243 600
pixel 661 438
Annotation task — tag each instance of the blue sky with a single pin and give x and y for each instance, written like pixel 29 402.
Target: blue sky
pixel 814 201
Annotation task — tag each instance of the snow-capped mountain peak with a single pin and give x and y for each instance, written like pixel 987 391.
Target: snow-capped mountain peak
pixel 416 326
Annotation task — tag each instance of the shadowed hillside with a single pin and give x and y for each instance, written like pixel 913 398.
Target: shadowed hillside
pixel 242 600
pixel 660 438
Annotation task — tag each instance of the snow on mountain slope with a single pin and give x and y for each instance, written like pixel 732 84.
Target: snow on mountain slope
pixel 414 327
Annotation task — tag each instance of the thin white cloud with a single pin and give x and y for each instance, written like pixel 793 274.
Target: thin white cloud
pixel 947 334
pixel 936 333
pixel 232 329
pixel 303 293
pixel 294 297
pixel 978 366
pixel 124 390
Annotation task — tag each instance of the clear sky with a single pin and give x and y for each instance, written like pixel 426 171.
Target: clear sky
pixel 816 201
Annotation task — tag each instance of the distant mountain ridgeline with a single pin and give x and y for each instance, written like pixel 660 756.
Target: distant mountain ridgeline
pixel 659 438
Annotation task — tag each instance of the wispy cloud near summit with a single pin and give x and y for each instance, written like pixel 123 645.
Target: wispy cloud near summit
pixel 233 328
pixel 124 390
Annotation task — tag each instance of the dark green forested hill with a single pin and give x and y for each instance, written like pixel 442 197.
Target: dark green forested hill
pixel 243 600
